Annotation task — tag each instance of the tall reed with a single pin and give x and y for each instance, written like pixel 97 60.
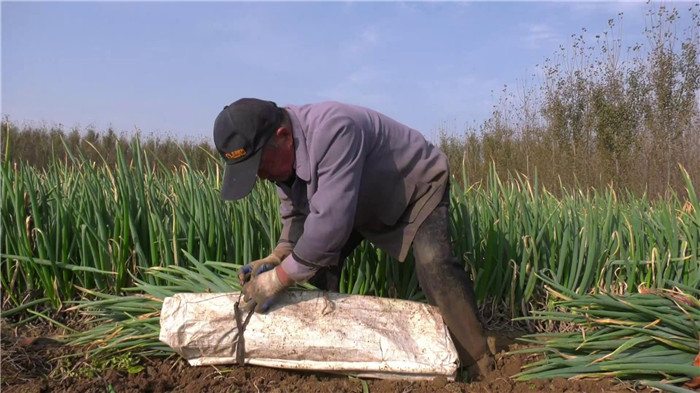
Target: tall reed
pixel 93 226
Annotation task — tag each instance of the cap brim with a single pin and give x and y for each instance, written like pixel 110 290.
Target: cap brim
pixel 239 178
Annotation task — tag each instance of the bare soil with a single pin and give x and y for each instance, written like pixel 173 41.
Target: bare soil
pixel 32 362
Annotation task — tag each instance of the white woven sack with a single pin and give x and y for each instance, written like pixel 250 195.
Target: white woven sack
pixel 311 330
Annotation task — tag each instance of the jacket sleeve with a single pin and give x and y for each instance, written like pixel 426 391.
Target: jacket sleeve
pixel 292 225
pixel 339 161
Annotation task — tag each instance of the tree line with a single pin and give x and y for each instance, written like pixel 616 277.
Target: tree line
pixel 600 115
pixel 44 146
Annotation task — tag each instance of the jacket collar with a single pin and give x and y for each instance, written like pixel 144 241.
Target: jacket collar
pixel 301 155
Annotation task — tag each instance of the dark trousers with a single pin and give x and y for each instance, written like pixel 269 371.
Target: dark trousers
pixel 442 278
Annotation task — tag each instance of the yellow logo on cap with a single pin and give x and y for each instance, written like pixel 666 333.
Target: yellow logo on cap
pixel 236 154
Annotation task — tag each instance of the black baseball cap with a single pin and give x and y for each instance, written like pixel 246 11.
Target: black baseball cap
pixel 240 132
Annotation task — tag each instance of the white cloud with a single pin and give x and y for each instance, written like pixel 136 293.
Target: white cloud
pixel 370 36
pixel 364 75
pixel 460 99
pixel 361 86
pixel 367 39
pixel 465 80
pixel 538 35
pixel 588 8
pixel 408 6
pixel 251 42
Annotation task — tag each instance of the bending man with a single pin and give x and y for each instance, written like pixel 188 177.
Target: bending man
pixel 346 173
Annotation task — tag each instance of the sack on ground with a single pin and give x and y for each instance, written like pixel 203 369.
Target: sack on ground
pixel 357 335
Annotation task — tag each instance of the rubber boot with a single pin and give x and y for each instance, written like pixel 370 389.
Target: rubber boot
pixel 447 286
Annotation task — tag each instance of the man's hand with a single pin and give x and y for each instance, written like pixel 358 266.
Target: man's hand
pixel 251 270
pixel 261 291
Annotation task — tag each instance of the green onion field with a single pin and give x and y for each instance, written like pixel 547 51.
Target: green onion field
pixel 111 242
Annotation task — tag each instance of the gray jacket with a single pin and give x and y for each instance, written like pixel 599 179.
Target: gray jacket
pixel 356 169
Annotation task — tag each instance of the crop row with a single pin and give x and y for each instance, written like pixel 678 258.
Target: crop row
pixel 92 226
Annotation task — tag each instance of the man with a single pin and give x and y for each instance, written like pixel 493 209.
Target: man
pixel 346 173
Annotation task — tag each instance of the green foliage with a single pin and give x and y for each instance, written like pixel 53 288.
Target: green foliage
pixel 128 323
pixel 651 335
pixel 113 242
pixel 124 362
pixel 81 225
pixel 93 226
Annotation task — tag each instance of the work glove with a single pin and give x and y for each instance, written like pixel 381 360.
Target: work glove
pixel 260 292
pixel 251 270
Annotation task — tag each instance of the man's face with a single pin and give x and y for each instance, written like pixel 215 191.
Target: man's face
pixel 277 161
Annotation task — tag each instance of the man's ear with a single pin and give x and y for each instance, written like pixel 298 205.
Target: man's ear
pixel 283 131
pixel 284 134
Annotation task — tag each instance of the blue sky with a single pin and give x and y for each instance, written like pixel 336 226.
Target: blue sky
pixel 169 68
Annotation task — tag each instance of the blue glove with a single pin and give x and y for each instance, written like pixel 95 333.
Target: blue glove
pixel 251 270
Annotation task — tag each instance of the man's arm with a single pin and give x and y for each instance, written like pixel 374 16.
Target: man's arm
pixel 292 225
pixel 328 224
pixel 332 208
